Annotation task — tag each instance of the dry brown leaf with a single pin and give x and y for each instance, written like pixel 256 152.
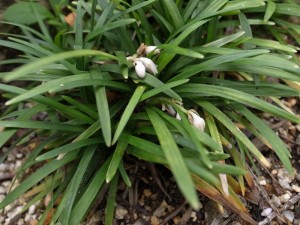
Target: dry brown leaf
pixel 231 202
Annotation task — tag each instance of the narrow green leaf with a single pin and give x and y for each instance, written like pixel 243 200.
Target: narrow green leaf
pixel 84 203
pixel 271 8
pixel 116 159
pixel 235 130
pixel 109 26
pixel 277 144
pixel 124 175
pixel 171 8
pixel 128 111
pixel 72 190
pixel 244 98
pixel 67 148
pixel 24 70
pixel 174 158
pixel 69 82
pixel 103 112
pixel 111 200
pixel 194 69
pixel 270 44
pixel 225 40
pixel 181 51
pixel 162 88
pixel 41 125
pixel 156 83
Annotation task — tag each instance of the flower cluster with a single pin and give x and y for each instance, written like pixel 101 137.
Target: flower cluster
pixel 141 62
pixel 194 118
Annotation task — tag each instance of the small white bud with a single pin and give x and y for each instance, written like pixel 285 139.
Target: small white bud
pixel 153 49
pixel 170 110
pixel 140 69
pixel 196 120
pixel 178 116
pixel 149 64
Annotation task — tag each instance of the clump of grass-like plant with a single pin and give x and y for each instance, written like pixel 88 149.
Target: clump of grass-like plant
pixel 105 98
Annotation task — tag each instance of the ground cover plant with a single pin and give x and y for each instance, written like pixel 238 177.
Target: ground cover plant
pixel 169 82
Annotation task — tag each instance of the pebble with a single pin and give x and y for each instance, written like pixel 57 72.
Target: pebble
pixel 276 201
pixel 298 177
pixel 27 218
pixel 14 212
pixel 262 182
pixel 298 127
pixel 19 155
pixel 2 197
pixel 284 198
pixel 2 190
pixel 3 167
pixel 289 215
pixel 31 209
pixel 296 188
pixel 266 212
pixel 284 178
pixel 154 220
pixel 21 222
pixel 194 216
pixel 120 212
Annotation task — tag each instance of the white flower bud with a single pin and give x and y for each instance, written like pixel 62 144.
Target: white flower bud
pixel 178 116
pixel 149 64
pixel 153 49
pixel 140 69
pixel 196 120
pixel 170 110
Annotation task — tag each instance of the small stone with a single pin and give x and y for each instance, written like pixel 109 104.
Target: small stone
pixel 276 201
pixel 3 167
pixel 11 158
pixel 284 198
pixel 298 127
pixel 18 164
pixel 262 182
pixel 21 222
pixel 120 212
pixel 2 190
pixel 289 215
pixel 285 183
pixel 284 177
pixel 139 222
pixel 33 222
pixel 2 197
pixel 296 188
pixel 296 221
pixel 19 155
pixel 154 220
pixel 27 218
pixel 14 212
pixel 6 183
pixel 31 209
pixel 298 177
pixel 147 193
pixel 194 216
pixel 266 212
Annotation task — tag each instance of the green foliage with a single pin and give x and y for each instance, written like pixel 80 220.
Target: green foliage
pixel 215 61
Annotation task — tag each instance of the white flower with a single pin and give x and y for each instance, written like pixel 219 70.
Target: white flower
pixel 149 64
pixel 196 120
pixel 140 69
pixel 153 49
